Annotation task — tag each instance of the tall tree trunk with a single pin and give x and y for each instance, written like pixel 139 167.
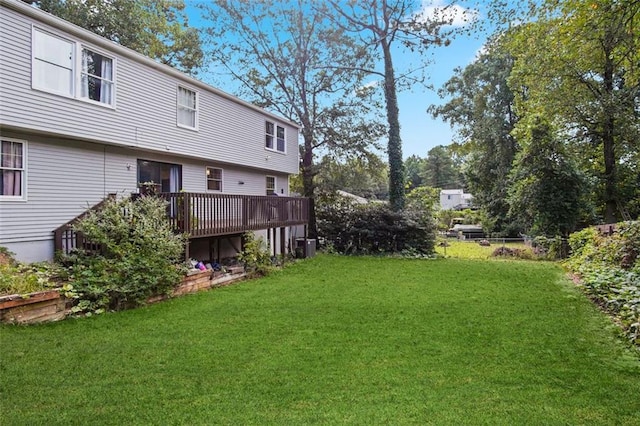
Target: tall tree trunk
pixel 394 146
pixel 608 142
pixel 308 174
pixel 609 171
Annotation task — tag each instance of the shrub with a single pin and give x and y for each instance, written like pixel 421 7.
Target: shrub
pixel 255 255
pixel 511 252
pixel 609 268
pixel 140 256
pixel 351 228
pixel 552 248
pixel 581 241
pixel 19 278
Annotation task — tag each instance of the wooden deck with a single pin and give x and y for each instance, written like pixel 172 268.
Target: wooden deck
pixel 209 215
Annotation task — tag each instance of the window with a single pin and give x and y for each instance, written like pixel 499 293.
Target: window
pixel 214 179
pixel 280 140
pixel 270 134
pixel 66 68
pixel 52 63
pixel 96 81
pixel 271 185
pixel 12 168
pixel 274 139
pixel 187 108
pixel 166 177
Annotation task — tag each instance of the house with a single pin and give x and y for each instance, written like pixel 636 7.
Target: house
pixel 82 117
pixel 455 199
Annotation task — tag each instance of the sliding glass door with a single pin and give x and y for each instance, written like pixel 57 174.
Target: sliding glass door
pixel 165 177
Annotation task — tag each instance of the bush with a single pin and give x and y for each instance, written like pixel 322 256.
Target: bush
pixel 609 268
pixel 140 256
pixel 351 228
pixel 255 255
pixel 19 278
pixel 511 252
pixel 551 248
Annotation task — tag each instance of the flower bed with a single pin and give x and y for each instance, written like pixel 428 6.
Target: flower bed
pixel 43 306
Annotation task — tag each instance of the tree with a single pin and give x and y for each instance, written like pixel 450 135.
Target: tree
pixel 425 199
pixel 439 169
pixel 278 51
pixel 156 28
pixel 481 107
pixel 365 176
pixel 547 189
pixel 381 24
pixel 580 64
pixel 412 172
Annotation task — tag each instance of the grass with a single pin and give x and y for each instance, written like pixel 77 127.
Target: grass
pixel 473 250
pixel 335 340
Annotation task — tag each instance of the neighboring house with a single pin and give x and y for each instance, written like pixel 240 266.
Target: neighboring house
pixel 455 199
pixel 82 117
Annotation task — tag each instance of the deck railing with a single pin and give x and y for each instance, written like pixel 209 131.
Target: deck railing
pixel 205 215
pixel 66 239
pixel 208 215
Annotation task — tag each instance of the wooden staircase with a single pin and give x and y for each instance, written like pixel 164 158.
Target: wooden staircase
pixel 66 239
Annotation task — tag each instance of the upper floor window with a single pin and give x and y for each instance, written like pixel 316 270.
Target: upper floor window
pixel 274 139
pixel 271 185
pixel 187 108
pixel 214 179
pixel 96 82
pixel 12 168
pixel 66 68
pixel 53 60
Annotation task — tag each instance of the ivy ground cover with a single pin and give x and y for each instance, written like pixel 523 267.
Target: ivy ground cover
pixel 335 340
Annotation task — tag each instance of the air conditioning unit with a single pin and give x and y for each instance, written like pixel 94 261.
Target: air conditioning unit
pixel 308 246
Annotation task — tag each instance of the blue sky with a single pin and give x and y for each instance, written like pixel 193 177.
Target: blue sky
pixel 419 130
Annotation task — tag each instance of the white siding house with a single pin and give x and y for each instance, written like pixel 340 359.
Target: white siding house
pixel 454 199
pixel 82 117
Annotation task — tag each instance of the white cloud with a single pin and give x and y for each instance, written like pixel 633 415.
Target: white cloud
pixel 367 86
pixel 438 10
pixel 371 84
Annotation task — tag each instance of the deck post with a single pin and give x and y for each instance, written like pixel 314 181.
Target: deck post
pixel 187 253
pixel 186 212
pixel 282 241
pixel 57 240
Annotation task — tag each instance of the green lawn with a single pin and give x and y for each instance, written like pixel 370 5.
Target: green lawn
pixel 335 340
pixel 473 250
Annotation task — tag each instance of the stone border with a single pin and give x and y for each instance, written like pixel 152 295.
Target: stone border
pixel 50 305
pixel 33 308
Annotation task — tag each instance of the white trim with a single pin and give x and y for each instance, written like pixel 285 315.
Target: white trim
pixel 34 83
pixel 76 68
pixel 276 126
pixel 275 185
pixel 23 189
pixel 196 110
pixel 81 47
pixel 206 169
